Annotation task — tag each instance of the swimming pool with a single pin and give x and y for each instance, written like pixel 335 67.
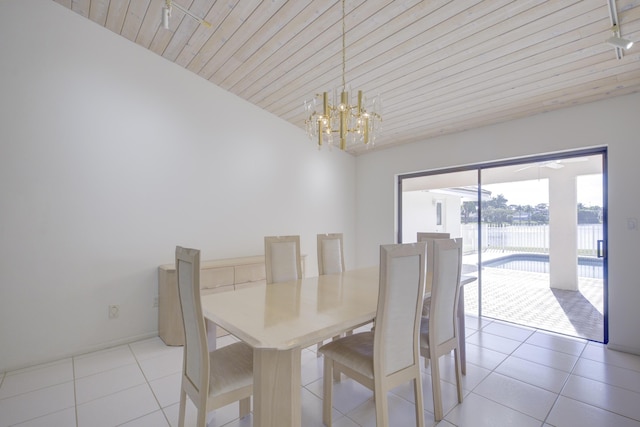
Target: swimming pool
pixel 539 263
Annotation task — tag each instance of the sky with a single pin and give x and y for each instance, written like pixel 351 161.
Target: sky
pixel 536 191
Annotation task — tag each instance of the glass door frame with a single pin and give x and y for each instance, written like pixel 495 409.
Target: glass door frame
pixel 513 162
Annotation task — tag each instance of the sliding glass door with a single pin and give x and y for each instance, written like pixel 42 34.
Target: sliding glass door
pixel 534 234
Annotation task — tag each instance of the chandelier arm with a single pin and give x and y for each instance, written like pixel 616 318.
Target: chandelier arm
pixel 347 121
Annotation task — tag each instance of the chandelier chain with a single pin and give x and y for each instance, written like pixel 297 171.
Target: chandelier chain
pixel 344 49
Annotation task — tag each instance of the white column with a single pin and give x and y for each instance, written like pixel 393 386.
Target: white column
pixel 563 231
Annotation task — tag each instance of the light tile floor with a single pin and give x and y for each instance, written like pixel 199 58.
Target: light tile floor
pixel 516 376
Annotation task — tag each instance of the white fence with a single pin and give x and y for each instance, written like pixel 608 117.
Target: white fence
pixel 526 238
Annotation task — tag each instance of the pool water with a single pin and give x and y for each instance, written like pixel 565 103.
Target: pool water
pixel 537 263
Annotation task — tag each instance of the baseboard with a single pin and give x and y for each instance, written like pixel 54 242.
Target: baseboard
pixel 115 343
pixel 624 348
pixel 85 350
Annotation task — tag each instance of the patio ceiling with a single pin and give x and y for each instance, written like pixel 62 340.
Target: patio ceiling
pixel 577 166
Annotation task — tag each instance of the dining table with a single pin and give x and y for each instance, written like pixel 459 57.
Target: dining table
pixel 279 320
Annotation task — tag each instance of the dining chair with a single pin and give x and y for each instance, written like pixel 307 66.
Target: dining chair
pixel 432 235
pixel 330 253
pixel 428 238
pixel 439 333
pixel 282 258
pixel 389 355
pixel 330 260
pixel 210 379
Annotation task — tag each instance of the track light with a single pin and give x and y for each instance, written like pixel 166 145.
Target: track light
pixel 166 14
pixel 618 41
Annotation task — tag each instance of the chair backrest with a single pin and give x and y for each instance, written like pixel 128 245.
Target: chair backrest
pixel 196 354
pixel 445 290
pixel 330 254
pixel 429 237
pixel 422 235
pixel 396 340
pixel 282 258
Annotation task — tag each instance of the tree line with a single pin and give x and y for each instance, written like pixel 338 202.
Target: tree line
pixel 499 211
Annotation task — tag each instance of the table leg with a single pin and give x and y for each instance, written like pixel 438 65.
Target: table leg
pixel 462 333
pixel 212 330
pixel 276 388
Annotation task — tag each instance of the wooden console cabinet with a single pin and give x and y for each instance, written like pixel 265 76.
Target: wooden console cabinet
pixel 221 275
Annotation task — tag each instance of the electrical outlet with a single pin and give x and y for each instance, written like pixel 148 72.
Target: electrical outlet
pixel 114 311
pixel 155 302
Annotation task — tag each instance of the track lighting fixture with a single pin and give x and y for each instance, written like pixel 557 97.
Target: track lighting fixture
pixel 618 41
pixel 166 14
pixel 620 44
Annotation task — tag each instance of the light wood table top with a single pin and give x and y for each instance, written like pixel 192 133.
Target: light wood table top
pixel 280 319
pixel 298 313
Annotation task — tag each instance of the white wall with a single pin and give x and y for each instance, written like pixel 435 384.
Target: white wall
pixel 110 156
pixel 613 123
pixel 419 214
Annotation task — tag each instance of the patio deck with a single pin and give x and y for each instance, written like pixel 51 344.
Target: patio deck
pixel 526 299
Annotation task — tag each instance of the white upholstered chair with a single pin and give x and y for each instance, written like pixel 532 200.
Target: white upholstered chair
pixel 282 258
pixel 389 355
pixel 210 379
pixel 330 258
pixel 439 333
pixel 330 254
pixel 432 235
pixel 428 238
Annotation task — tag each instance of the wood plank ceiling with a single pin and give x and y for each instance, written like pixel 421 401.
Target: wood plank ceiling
pixel 439 66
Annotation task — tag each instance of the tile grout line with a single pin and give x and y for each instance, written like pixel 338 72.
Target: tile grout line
pixel 492 371
pixel 602 382
pixel 444 416
pixel 135 356
pixel 559 394
pixel 75 390
pixel 114 392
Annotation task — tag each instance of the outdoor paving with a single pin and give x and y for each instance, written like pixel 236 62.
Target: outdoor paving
pixel 526 299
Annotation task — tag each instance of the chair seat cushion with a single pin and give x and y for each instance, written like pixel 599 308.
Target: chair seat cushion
pixel 354 351
pixel 231 368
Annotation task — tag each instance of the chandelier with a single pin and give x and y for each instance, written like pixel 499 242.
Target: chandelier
pixel 352 123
